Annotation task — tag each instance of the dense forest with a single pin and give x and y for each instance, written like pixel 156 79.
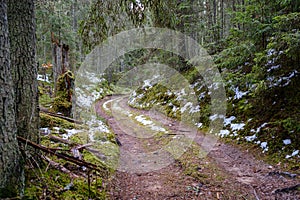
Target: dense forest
pixel 58 139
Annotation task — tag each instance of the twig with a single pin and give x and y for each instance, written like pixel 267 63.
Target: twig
pixel 256 196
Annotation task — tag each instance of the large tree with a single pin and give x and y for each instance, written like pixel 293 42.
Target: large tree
pixel 10 165
pixel 22 36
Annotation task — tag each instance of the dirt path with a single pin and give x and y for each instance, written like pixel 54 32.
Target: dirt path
pixel 147 173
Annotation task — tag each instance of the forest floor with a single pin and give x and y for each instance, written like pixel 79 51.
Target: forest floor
pixel 148 170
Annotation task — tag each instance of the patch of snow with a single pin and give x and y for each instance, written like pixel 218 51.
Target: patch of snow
pixel 94 78
pixel 239 94
pixel 169 93
pixel 147 83
pixel 202 95
pixel 282 81
pixel 44 78
pixel 45 131
pixel 140 96
pixel 229 120
pixel 86 99
pixel 70 132
pixel 150 82
pixel 194 109
pixel 264 146
pixel 194 85
pixel 271 52
pixel 199 124
pixel 143 120
pixel 287 141
pixel 295 152
pixel 174 109
pixel 251 138
pixel 262 126
pixel 257 142
pixel 224 133
pixel 180 94
pixel 56 129
pixel 273 68
pixel 237 127
pixel 158 128
pixel 186 106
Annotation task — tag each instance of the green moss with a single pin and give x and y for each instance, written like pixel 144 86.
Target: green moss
pixel 64 91
pixel 52 185
pixel 50 121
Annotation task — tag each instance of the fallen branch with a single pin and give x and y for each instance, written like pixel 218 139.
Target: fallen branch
pixel 84 146
pixel 59 139
pixel 60 167
pixel 44 110
pixel 62 155
pixel 287 174
pixel 289 189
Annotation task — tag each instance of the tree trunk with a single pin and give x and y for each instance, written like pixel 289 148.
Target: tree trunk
pixel 21 20
pixel 11 176
pixel 60 59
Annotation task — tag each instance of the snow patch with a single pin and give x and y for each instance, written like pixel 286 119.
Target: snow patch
pixel 229 120
pixel 239 94
pixel 237 127
pixel 143 120
pixel 199 125
pixel 295 152
pixel 287 141
pixel 224 133
pixel 264 146
pixel 251 138
pixel 45 131
pixel 186 106
pixel 44 78
pixel 70 132
pixel 158 128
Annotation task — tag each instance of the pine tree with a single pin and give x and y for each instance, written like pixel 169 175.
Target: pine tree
pixel 10 165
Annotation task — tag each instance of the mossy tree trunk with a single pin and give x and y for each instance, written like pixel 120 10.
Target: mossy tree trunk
pixel 60 54
pixel 11 176
pixel 22 36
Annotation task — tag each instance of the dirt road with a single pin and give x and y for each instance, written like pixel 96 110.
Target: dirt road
pixel 158 160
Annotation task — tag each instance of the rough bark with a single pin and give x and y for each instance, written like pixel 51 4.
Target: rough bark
pixel 60 56
pixel 21 19
pixel 11 176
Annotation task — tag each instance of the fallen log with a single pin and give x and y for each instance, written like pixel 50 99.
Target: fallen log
pixel 64 156
pixel 46 111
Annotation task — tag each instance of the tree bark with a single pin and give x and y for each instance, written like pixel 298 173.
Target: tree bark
pixel 60 56
pixel 11 174
pixel 22 28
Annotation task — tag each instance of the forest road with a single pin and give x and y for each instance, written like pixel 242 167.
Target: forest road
pixel 151 168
